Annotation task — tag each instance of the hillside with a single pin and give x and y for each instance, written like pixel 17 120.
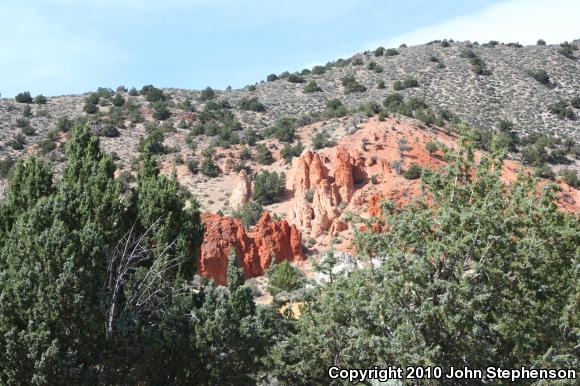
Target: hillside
pixel 415 206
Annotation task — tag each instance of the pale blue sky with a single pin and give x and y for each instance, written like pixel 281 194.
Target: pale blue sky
pixel 59 47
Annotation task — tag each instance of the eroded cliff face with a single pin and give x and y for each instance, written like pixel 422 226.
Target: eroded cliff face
pixel 255 249
pixel 318 195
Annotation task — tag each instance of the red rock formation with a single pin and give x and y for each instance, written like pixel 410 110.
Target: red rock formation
pixel 374 208
pixel 309 170
pixel 241 192
pixel 255 249
pixel 343 175
pixel 318 212
pixel 220 234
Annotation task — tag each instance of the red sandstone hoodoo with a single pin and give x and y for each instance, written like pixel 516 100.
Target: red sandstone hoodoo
pixel 255 250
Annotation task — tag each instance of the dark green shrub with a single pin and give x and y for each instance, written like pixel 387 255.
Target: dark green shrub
pixel 109 130
pixel 193 165
pixel 268 187
pixel 161 112
pixel 533 155
pixel 393 101
pixel 21 123
pixel 118 100
pixel 570 177
pixel 357 61
pixel 133 92
pixel 272 77
pixel 467 53
pixel 283 277
pixel 562 110
pixel 311 87
pixel 567 49
pixel 6 165
pixel 413 173
pixel 104 92
pixel 245 154
pixel 249 213
pixel 40 99
pixel 318 70
pixel 398 85
pixel 186 105
pixel 391 52
pixel 207 94
pixel 575 102
pixel 153 94
pixel 264 155
pixel 23 97
pixel 283 130
pixel 91 104
pixel 410 82
pixel 321 140
pixel 18 142
pixel 251 104
pixel 351 85
pixel 545 171
pixel 209 168
pixel 47 145
pixel 27 111
pixel 381 84
pixel 541 42
pixel 152 142
pixel 380 51
pixel 478 66
pixel 251 136
pixel 431 147
pixel 288 151
pixel 540 75
pixel 335 109
pixel 295 78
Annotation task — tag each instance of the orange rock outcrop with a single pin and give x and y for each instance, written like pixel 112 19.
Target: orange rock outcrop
pixel 255 250
pixel 317 195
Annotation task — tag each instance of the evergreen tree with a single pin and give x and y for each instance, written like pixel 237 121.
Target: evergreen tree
pixel 477 277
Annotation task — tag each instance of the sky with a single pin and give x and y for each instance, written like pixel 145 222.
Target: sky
pixel 59 47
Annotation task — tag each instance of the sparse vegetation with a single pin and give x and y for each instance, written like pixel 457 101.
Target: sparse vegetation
pixel 207 94
pixel 268 187
pixel 540 75
pixel 563 110
pixel 567 49
pixel 321 140
pixel 311 87
pixel 209 168
pixel 335 109
pixel 40 99
pixel 251 104
pixel 295 78
pixel 283 130
pixel 408 82
pixel 249 213
pixel 351 85
pixel 413 173
pixel 288 151
pixel 23 97
pixel 283 277
pixel 264 155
